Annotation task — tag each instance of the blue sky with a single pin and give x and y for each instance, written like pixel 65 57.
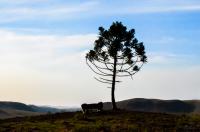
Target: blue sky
pixel 43 43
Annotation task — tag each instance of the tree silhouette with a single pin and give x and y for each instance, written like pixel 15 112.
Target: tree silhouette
pixel 117 53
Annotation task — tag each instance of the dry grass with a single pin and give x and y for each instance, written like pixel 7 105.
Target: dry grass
pixel 104 121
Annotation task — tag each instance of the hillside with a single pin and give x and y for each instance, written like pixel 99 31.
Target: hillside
pixel 196 103
pixel 156 105
pixel 11 113
pixel 16 109
pixel 15 105
pixel 104 121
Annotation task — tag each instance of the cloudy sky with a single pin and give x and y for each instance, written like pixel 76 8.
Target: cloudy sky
pixel 43 45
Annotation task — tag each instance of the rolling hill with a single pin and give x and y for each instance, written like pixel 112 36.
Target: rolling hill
pixel 157 105
pixel 16 109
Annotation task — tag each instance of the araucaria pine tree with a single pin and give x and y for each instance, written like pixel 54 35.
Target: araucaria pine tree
pixel 117 53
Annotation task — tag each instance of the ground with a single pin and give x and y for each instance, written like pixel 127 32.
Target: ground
pixel 104 121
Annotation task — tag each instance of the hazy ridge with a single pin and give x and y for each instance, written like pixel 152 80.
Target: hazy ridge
pixel 157 105
pixel 16 109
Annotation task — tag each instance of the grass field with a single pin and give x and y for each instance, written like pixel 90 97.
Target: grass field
pixel 105 121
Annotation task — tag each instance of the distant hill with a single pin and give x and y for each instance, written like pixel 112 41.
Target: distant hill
pixel 10 113
pixel 16 106
pixel 156 105
pixel 16 109
pixel 196 103
pixel 45 109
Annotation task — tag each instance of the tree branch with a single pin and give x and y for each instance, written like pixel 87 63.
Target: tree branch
pixel 101 74
pixel 129 73
pixel 101 81
pixel 101 67
pixel 109 80
pixel 132 64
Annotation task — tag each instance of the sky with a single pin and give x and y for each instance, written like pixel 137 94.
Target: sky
pixel 43 45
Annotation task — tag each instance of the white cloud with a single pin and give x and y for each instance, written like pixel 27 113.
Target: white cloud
pixel 41 53
pixel 21 1
pixel 146 6
pixel 169 40
pixel 163 9
pixel 171 60
pixel 163 58
pixel 62 10
pixel 46 41
pixel 57 11
pixel 34 51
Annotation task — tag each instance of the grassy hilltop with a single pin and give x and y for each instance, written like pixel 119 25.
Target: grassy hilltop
pixel 104 121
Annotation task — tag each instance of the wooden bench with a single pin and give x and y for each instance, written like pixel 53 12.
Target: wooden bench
pixel 92 107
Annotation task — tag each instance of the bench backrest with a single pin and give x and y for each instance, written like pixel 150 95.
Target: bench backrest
pixel 86 107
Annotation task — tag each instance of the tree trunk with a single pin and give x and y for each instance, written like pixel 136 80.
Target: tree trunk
pixel 114 106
